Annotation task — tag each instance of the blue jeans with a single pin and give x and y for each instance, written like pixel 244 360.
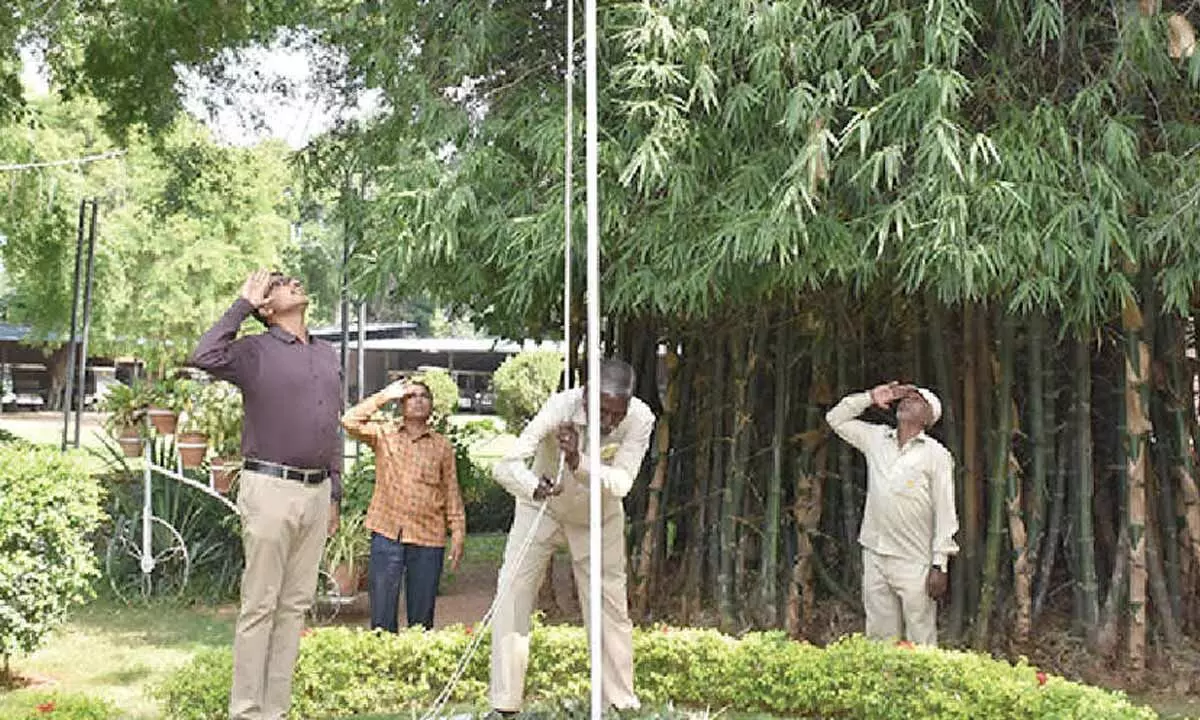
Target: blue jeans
pixel 418 567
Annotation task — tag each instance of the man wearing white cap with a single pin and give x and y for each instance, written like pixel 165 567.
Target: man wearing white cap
pixel 909 523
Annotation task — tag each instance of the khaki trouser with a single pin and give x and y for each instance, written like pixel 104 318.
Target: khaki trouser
pixel 894 596
pixel 511 625
pixel 284 524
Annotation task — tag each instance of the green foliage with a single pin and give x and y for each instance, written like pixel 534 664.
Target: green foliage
pixel 359 484
pixel 49 507
pixel 124 405
pixel 351 544
pixel 342 671
pixel 66 706
pixel 182 221
pixel 523 383
pixel 178 394
pixel 445 393
pixel 488 505
pixel 217 412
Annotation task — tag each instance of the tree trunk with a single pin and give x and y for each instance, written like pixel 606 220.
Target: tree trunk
pixel 1107 631
pixel 1041 441
pixel 971 459
pixel 1054 532
pixel 1085 488
pixel 718 481
pixel 1137 428
pixel 768 591
pixel 706 422
pixel 731 496
pixel 1182 407
pixel 650 534
pixel 806 510
pixel 851 498
pixel 942 364
pixel 998 488
pixel 1158 582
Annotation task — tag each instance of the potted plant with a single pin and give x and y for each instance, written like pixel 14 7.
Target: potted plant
pixel 347 552
pixel 220 407
pixel 192 441
pixel 170 397
pixel 125 405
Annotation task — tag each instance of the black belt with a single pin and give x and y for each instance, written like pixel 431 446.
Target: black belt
pixel 308 477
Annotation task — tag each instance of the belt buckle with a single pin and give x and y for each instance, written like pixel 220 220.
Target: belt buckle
pixel 306 475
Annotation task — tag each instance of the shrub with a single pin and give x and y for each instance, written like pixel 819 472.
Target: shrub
pixel 63 706
pixel 444 391
pixel 523 383
pixel 49 505
pixel 343 671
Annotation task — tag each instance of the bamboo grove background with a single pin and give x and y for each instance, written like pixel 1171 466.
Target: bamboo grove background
pixel 997 200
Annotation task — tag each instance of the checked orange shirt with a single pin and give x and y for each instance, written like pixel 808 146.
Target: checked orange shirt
pixel 416 483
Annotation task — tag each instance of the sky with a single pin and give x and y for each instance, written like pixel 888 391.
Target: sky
pixel 246 117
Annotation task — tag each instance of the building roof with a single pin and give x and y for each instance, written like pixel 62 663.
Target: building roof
pixel 456 345
pixel 372 330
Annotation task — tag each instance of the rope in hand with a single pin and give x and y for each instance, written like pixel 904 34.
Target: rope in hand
pixel 502 589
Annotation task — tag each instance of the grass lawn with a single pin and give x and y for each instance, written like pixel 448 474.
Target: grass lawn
pixel 116 652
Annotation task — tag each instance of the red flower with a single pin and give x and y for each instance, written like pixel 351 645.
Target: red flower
pixel 905 644
pixel 666 629
pixel 1041 678
pixel 470 630
pixel 306 632
pixel 46 707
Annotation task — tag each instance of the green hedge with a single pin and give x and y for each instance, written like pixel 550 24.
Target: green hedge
pixel 343 671
pixel 65 706
pixel 49 507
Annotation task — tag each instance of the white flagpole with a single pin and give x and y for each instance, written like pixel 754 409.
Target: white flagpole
pixel 593 356
pixel 568 178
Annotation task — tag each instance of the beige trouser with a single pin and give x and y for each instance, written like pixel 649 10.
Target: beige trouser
pixel 510 628
pixel 894 597
pixel 284 524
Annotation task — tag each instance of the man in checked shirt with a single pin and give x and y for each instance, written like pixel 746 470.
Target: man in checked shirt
pixel 416 497
pixel 908 526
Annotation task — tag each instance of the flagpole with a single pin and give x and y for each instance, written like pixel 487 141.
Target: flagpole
pixel 593 357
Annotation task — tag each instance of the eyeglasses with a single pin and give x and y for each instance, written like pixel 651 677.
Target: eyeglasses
pixel 281 280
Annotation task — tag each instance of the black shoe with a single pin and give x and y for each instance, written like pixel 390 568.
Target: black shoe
pixel 500 715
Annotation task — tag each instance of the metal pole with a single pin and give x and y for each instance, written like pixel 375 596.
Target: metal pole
pixel 345 307
pixel 568 189
pixel 593 357
pixel 66 403
pixel 362 367
pixel 87 317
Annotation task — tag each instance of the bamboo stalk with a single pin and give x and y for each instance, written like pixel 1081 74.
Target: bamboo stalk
pixel 1084 488
pixel 998 488
pixel 971 459
pixel 1054 532
pixel 1137 388
pixel 1040 441
pixel 940 355
pixel 1154 564
pixel 706 430
pixel 718 480
pixel 650 534
pixel 806 510
pixel 731 495
pixel 769 564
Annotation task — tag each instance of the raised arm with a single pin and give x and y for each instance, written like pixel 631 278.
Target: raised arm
pixel 219 353
pixel 513 471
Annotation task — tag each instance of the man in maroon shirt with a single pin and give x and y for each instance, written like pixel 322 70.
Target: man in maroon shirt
pixel 290 483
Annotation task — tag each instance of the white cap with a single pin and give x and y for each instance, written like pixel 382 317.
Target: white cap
pixel 935 405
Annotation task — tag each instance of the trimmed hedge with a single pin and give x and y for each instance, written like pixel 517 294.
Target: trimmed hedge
pixel 343 671
pixel 49 507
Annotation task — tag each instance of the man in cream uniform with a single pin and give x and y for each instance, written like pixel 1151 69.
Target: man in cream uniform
pixel 559 431
pixel 909 523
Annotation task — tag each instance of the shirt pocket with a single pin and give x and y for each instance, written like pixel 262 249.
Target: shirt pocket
pixel 431 492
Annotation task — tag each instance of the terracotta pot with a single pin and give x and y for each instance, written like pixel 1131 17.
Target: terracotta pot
pixel 224 470
pixel 131 442
pixel 192 448
pixel 346 580
pixel 164 421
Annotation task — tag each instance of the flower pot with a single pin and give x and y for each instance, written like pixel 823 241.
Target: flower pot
pixel 164 421
pixel 346 577
pixel 131 442
pixel 224 470
pixel 192 448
